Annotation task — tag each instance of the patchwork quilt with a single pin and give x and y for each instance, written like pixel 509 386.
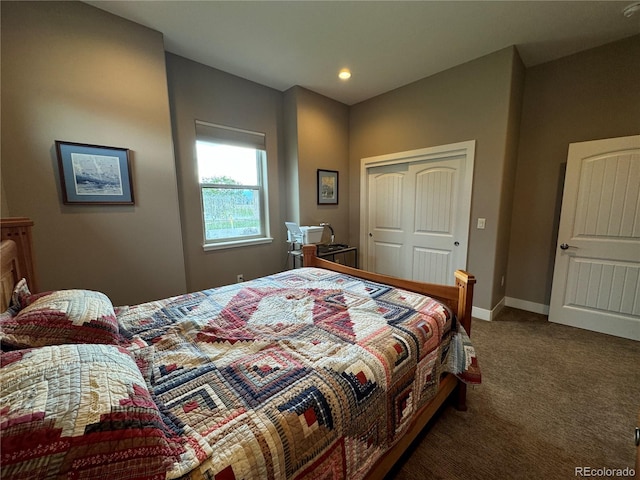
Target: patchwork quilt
pixel 299 375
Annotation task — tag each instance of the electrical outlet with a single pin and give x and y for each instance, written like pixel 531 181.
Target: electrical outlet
pixel 240 278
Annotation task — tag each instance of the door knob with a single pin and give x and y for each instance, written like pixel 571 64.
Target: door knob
pixel 371 234
pixel 565 246
pixel 456 243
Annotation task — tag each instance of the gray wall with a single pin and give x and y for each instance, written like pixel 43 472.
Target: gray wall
pixel 75 73
pixel 292 174
pixel 322 140
pixel 508 185
pixel 198 92
pixel 472 101
pixel 588 96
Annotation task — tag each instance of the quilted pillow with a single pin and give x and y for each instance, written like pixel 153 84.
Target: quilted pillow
pixel 63 316
pixel 80 411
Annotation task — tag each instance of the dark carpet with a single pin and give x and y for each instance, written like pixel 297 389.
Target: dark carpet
pixel 553 398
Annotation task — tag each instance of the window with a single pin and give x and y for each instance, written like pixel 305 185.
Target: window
pixel 232 175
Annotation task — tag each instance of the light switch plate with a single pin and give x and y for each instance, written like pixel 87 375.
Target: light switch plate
pixel 481 223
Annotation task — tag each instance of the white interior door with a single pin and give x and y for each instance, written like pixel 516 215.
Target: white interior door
pixel 596 279
pixel 387 237
pixel 417 211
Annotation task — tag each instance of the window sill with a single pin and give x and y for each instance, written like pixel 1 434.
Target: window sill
pixel 237 243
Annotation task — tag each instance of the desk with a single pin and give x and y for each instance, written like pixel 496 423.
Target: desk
pixel 329 255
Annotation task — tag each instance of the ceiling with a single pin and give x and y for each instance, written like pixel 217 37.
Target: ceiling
pixel 386 44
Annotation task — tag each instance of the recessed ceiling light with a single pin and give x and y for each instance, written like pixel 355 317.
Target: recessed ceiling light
pixel 345 74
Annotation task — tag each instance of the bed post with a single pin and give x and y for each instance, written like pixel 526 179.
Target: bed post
pixel 308 255
pixel 465 283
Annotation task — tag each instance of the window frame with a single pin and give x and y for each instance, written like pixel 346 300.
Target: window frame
pixel 264 236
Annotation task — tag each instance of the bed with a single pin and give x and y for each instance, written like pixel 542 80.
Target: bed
pixel 320 372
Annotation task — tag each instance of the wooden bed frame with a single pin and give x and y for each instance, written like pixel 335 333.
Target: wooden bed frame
pixel 18 229
pixel 10 272
pixel 458 298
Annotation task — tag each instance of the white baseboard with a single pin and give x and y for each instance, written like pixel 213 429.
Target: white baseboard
pixel 484 314
pixel 481 313
pixel 526 305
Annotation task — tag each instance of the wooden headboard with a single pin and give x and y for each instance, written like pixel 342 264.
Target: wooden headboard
pixel 16 257
pixel 9 271
pixel 18 229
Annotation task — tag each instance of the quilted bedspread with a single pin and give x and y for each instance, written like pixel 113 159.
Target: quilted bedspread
pixel 302 374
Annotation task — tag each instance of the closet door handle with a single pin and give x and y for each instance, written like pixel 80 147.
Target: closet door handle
pixel 566 246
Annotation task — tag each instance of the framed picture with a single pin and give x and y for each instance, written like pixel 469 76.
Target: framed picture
pixel 327 187
pixel 92 174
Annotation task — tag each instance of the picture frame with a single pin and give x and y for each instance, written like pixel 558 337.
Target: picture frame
pixel 327 187
pixel 94 174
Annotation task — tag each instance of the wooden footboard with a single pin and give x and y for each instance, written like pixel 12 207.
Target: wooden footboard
pixel 459 298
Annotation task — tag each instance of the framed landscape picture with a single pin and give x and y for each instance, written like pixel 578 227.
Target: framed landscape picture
pixel 327 187
pixel 93 174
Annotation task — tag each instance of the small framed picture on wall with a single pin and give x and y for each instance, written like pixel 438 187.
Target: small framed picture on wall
pixel 327 187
